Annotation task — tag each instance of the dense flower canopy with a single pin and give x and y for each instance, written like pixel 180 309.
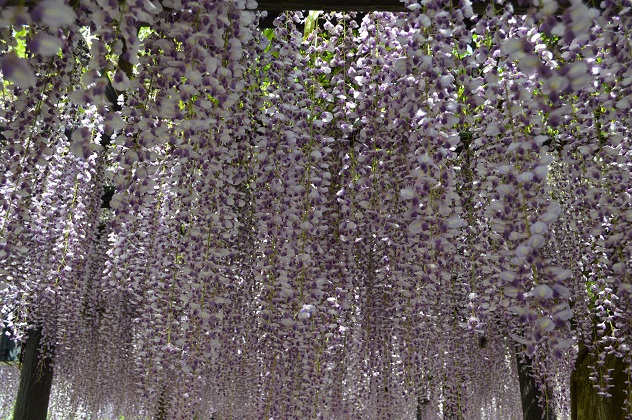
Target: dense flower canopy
pixel 349 218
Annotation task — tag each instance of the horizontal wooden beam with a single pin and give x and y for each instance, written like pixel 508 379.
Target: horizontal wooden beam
pixel 326 5
pixel 334 5
pixel 273 7
pixel 277 6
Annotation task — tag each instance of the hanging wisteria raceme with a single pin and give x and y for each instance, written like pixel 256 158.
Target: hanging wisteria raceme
pixel 60 179
pixel 342 216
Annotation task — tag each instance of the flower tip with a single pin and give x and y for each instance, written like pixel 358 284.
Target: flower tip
pixel 54 13
pixel 18 71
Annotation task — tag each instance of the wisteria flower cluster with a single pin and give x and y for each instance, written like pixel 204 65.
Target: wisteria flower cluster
pixel 342 216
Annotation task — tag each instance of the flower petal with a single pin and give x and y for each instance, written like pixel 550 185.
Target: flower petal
pixel 54 13
pixel 18 71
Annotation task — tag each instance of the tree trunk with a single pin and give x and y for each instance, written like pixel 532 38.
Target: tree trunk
pixel 162 412
pixel 586 403
pixel 530 393
pixel 9 348
pixel 36 380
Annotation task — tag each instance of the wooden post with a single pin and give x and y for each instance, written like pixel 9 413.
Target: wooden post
pixel 36 380
pixel 530 393
pixel 586 403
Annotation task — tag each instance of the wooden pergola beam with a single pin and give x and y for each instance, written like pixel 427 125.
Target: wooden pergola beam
pixel 326 5
pixel 479 6
pixel 363 6
pixel 334 5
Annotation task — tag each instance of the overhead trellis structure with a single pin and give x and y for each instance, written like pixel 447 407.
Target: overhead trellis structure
pixel 478 7
pixel 369 6
pixel 421 215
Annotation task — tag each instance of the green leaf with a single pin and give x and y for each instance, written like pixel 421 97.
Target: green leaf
pixel 311 22
pixel 269 33
pixel 20 37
